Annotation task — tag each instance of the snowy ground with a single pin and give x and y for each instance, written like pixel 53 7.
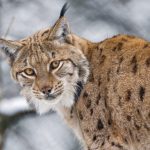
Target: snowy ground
pixel 35 132
pixel 40 133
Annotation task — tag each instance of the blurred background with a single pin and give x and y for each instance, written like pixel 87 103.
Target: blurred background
pixel 96 20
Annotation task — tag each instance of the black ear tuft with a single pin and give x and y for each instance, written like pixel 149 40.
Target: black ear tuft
pixel 64 9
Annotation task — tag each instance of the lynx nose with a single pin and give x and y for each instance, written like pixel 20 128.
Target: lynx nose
pixel 46 90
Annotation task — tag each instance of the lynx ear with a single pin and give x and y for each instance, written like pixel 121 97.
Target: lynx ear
pixel 9 48
pixel 61 28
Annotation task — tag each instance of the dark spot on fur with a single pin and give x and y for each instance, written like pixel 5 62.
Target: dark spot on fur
pixel 79 87
pixel 130 132
pixel 116 145
pixel 110 119
pixel 128 118
pixel 88 103
pixel 108 137
pixel 86 130
pixel 141 93
pixel 102 59
pixel 149 114
pixel 91 77
pixel 80 115
pixel 99 81
pixel 53 54
pixel 106 97
pixel 85 94
pixel 98 99
pixel 91 111
pixel 100 125
pixel 126 141
pixel 108 75
pixel 120 61
pixel 128 96
pixel 134 64
pixel 94 137
pixel 101 50
pixel 103 143
pixel 138 111
pixel 147 62
pixel 119 146
pixel 118 47
pixel 136 126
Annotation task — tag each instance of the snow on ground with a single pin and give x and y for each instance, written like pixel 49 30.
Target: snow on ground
pixel 40 133
pixel 34 132
pixel 13 105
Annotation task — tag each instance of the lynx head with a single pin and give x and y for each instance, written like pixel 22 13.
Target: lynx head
pixel 50 69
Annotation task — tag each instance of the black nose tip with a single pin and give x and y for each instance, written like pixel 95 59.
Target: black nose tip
pixel 46 90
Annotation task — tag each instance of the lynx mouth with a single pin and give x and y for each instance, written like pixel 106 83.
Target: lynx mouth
pixel 52 97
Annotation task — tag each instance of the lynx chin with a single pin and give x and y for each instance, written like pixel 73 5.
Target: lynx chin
pixel 101 90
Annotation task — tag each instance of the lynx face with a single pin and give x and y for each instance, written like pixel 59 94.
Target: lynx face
pixel 53 74
pixel 50 70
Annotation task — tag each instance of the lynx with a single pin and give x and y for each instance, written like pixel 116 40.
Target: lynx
pixel 101 90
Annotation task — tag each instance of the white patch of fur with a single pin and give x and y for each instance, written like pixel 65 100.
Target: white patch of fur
pixel 43 106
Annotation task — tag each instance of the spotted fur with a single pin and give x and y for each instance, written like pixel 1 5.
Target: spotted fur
pixel 120 102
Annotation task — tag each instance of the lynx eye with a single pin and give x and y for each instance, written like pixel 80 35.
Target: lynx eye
pixel 55 64
pixel 29 72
